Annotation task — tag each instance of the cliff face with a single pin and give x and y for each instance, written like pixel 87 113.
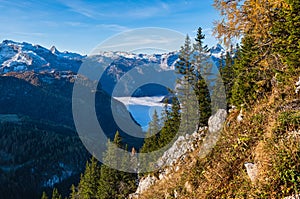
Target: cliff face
pixel 256 156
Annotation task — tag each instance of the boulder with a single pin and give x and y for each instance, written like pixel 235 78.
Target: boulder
pixel 181 146
pixel 240 117
pixel 215 122
pixel 145 183
pixel 293 197
pixel 215 125
pixel 298 86
pixel 188 187
pixel 252 171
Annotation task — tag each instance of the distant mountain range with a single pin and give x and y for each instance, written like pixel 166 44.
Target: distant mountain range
pixel 38 140
pixel 21 57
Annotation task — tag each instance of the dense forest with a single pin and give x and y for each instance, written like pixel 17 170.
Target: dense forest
pixel 259 73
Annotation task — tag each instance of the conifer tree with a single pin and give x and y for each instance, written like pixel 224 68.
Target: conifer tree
pixel 203 77
pixel 186 89
pixel 154 125
pixel 246 75
pixel 204 101
pixel 108 180
pixel 55 194
pixel 171 123
pixel 285 31
pixel 89 181
pixel 168 130
pixel 114 183
pixel 184 65
pixel 151 140
pixel 73 194
pixel 224 80
pixel 109 176
pixel 128 179
pixel 218 96
pixel 227 73
pixel 44 195
pixel 151 143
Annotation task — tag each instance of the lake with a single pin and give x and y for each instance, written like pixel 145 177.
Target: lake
pixel 142 108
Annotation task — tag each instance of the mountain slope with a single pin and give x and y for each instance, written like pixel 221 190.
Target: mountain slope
pixel 22 57
pixel 36 156
pixel 257 155
pixel 39 143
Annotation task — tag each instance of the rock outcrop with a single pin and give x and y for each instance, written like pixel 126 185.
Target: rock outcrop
pixel 216 121
pixel 252 171
pixel 144 184
pixel 215 125
pixel 293 197
pixel 181 146
pixel 180 150
pixel 298 86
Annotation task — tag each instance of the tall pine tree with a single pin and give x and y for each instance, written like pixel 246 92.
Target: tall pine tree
pixel 151 143
pixel 55 194
pixel 186 89
pixel 89 181
pixel 171 123
pixel 114 183
pixel 203 77
pixel 246 74
pixel 151 140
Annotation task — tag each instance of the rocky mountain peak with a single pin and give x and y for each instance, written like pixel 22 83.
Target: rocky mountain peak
pixel 54 50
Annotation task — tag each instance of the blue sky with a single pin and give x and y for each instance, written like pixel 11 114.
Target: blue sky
pixel 80 25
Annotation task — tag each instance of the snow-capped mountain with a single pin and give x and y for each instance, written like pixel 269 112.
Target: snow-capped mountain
pixel 217 51
pixel 146 67
pixel 15 56
pixel 21 57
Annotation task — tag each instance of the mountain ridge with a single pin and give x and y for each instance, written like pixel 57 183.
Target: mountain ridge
pixel 28 56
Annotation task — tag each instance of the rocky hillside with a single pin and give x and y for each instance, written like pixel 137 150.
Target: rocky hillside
pixel 255 156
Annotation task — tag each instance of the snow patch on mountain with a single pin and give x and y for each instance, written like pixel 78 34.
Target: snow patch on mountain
pixel 65 173
pixel 217 51
pixel 20 57
pixel 165 61
pixel 15 56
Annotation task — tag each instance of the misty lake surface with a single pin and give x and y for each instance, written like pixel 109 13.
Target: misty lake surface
pixel 142 108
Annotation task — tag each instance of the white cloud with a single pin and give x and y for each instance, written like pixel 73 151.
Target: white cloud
pixel 30 34
pixel 116 9
pixel 153 10
pixel 113 27
pixel 75 24
pixel 145 101
pixel 82 8
pixel 142 38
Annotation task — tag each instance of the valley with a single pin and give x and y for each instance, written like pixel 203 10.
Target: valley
pixel 35 99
